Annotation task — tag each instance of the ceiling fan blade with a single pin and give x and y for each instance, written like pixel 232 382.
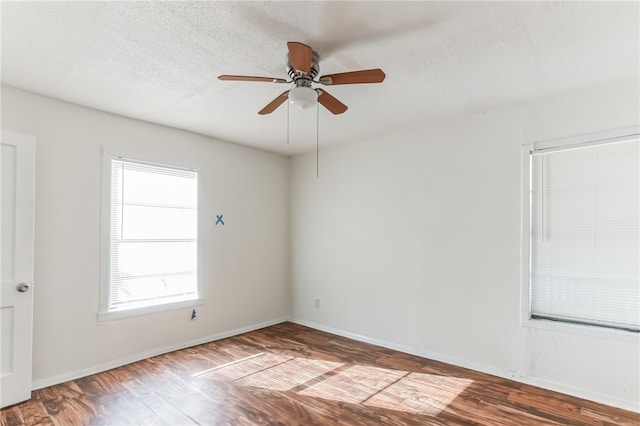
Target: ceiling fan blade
pixel 250 78
pixel 300 56
pixel 354 77
pixel 330 103
pixel 271 106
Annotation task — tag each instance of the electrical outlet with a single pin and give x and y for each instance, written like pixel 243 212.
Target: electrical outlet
pixel 317 302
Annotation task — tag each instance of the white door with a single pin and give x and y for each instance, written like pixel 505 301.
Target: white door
pixel 16 253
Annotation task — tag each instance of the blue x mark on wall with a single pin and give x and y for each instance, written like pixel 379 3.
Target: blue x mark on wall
pixel 219 219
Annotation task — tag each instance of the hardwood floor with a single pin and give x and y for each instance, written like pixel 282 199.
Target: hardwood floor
pixel 292 375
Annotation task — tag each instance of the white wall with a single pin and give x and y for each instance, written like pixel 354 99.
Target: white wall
pixel 413 240
pixel 244 270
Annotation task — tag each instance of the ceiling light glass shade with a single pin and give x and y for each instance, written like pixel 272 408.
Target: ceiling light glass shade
pixel 303 97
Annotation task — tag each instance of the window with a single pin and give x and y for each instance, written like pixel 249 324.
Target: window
pixel 584 233
pixel 149 235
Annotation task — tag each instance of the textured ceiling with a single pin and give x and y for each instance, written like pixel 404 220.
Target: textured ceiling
pixel 158 61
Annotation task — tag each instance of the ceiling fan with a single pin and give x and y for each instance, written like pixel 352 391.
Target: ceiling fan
pixel 302 67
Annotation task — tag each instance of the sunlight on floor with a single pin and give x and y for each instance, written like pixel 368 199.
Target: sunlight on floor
pixel 227 367
pixel 399 390
pixel 288 375
pixel 354 384
pixel 420 393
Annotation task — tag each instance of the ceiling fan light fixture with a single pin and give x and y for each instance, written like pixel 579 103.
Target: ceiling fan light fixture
pixel 303 97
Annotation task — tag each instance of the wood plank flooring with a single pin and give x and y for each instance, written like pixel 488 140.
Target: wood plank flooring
pixel 292 375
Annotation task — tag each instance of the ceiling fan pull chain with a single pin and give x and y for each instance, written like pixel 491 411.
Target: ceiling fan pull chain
pixel 317 143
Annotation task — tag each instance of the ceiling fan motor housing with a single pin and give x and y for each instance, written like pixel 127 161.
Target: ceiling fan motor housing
pixel 301 78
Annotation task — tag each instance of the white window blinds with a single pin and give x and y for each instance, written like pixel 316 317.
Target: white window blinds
pixel 153 235
pixel 585 233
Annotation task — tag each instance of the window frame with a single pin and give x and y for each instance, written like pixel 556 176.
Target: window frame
pixel 104 314
pixel 526 319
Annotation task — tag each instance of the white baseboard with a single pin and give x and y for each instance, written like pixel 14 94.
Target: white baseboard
pixel 76 374
pixel 495 371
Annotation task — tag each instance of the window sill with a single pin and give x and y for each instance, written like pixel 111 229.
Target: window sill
pixel 582 330
pixel 148 310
